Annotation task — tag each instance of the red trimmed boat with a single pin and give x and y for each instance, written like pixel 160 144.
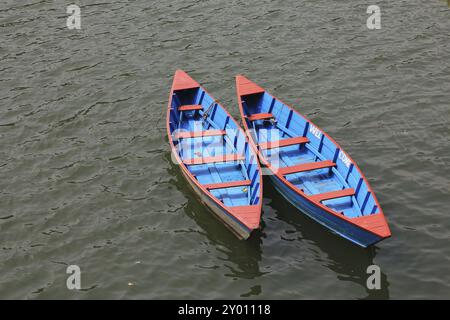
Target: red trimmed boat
pixel 309 168
pixel 214 155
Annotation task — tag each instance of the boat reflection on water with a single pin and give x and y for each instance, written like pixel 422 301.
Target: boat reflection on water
pixel 346 259
pixel 241 257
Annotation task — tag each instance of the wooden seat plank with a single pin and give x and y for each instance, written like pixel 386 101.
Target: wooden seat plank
pixel 190 107
pixel 333 195
pixel 196 134
pixel 214 159
pixel 283 143
pixel 306 167
pixel 260 116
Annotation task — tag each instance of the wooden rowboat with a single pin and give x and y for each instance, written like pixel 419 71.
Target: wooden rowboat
pixel 309 168
pixel 214 155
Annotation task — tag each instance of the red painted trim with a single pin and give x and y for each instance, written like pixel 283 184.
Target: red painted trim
pixel 230 184
pixel 190 107
pixel 196 134
pixel 257 211
pixel 374 222
pixel 333 195
pixel 248 87
pixel 219 158
pixel 306 167
pixel 260 116
pixel 182 81
pixel 283 143
pixel 247 214
pixel 382 232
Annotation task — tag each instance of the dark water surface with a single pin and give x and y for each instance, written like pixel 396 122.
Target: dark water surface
pixel 85 170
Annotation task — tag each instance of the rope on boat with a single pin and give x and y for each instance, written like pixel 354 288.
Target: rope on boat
pixel 208 110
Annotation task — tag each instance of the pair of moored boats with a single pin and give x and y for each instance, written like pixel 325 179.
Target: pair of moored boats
pixel 222 162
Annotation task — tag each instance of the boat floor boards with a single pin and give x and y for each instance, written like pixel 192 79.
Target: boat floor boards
pixel 313 182
pixel 216 172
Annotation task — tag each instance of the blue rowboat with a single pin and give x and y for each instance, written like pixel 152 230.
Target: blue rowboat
pixel 309 168
pixel 214 155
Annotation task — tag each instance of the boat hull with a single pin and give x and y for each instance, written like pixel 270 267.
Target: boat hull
pixel 339 226
pixel 238 229
pixel 339 198
pixel 214 156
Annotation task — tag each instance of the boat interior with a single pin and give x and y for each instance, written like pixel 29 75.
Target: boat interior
pixel 306 157
pixel 213 149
